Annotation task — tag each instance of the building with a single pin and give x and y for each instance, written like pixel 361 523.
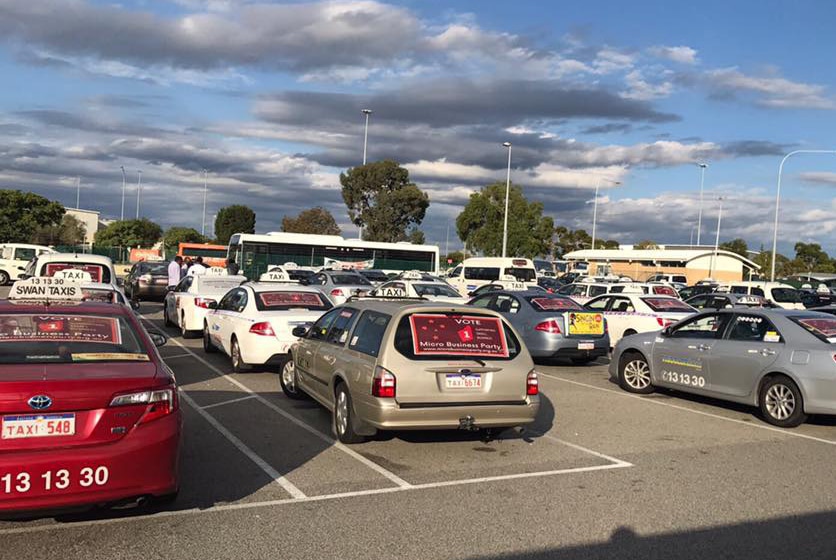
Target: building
pixel 90 219
pixel 696 263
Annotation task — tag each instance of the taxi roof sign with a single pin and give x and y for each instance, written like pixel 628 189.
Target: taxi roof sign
pixel 412 275
pixel 275 275
pixel 74 275
pixel 46 289
pixel 216 271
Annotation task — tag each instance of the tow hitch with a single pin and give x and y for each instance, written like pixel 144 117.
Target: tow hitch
pixel 468 423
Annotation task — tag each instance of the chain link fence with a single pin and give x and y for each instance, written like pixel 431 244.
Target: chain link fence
pixel 116 254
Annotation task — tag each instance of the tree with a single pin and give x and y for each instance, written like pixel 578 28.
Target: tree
pixel 764 260
pixel 22 213
pixel 738 246
pixel 416 237
pixel 129 233
pixel 70 231
pixel 646 244
pixel 233 219
pixel 809 257
pixel 455 256
pixel 381 199
pixel 176 235
pixel 481 223
pixel 316 220
pixel 606 244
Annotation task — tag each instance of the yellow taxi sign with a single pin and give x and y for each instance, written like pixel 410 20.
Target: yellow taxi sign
pixel 585 323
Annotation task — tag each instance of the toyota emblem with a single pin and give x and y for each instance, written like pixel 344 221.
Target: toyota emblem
pixel 40 402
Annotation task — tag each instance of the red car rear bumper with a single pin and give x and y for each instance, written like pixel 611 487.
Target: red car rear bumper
pixel 143 463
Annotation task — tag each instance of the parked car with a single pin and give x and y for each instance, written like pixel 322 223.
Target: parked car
pixel 188 303
pixel 15 256
pixel 396 365
pixel 628 314
pixel 727 301
pixel 147 280
pixel 339 285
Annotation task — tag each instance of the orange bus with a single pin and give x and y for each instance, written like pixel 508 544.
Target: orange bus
pixel 213 255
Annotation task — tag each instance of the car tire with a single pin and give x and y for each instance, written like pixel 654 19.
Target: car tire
pixel 634 374
pixel 290 382
pixel 166 321
pixel 183 331
pixel 343 416
pixel 238 363
pixel 208 347
pixel 4 278
pixel 781 403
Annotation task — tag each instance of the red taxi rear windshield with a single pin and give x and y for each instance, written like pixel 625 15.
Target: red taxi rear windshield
pixel 59 338
pixel 97 272
pixel 451 336
pixel 823 328
pixel 668 304
pixel 544 304
pixel 277 301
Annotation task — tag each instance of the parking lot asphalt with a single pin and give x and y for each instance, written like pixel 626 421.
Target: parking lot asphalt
pixel 601 474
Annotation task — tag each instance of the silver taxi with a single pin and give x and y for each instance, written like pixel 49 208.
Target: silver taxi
pixel 779 360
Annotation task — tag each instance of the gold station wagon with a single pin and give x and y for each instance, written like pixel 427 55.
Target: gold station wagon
pixel 402 365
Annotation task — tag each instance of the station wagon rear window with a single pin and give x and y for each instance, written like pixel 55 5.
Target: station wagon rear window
pixel 664 291
pixel 553 304
pixel 785 295
pixel 452 335
pixel 272 301
pixel 96 271
pixel 667 304
pixel 349 280
pixel 822 328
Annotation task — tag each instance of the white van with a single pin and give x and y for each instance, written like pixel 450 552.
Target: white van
pixel 782 295
pixel 478 271
pixel 669 278
pixel 15 256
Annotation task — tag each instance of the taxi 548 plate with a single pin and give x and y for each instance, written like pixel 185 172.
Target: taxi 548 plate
pixel 38 425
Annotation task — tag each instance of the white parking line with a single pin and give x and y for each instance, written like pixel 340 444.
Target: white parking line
pixel 401 483
pixel 781 431
pixel 617 464
pixel 289 487
pixel 223 403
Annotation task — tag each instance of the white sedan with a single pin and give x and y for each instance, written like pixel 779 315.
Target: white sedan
pixel 186 306
pixel 628 313
pixel 253 323
pixel 427 289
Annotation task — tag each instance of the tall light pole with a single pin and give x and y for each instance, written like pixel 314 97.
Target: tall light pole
pixel 205 187
pixel 78 193
pixel 717 239
pixel 778 202
pixel 507 190
pixel 595 205
pixel 124 185
pixel 702 166
pixel 138 191
pixel 366 112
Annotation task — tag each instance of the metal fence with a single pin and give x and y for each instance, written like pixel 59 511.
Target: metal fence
pixel 116 254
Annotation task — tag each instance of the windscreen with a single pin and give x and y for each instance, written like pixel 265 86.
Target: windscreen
pixel 544 304
pixel 160 268
pixel 277 301
pixel 349 280
pixel 664 291
pixel 522 274
pixel 785 295
pixel 668 304
pixel 99 294
pixel 823 328
pixel 375 275
pixel 62 338
pixel 220 283
pixel 97 272
pixel 441 336
pixel 437 290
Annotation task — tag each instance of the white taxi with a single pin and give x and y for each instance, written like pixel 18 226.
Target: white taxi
pixel 93 291
pixel 253 323
pixel 413 285
pixel 187 304
pixel 631 313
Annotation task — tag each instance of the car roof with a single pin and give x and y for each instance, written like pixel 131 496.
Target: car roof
pixel 82 257
pixel 402 305
pixel 280 287
pixel 98 308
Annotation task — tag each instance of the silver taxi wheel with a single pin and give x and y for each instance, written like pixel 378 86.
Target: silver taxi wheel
pixel 635 374
pixel 343 417
pixel 238 364
pixel 288 381
pixel 781 403
pixel 4 278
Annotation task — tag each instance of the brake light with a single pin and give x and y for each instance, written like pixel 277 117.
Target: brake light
pixel 549 326
pixel 532 383
pixel 337 292
pixel 203 302
pixel 160 402
pixel 263 329
pixel 383 383
pixel 664 322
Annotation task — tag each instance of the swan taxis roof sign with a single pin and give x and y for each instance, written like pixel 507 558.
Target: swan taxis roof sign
pixel 46 289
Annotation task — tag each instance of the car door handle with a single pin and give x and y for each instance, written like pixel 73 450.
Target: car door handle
pixel 767 352
pixel 700 347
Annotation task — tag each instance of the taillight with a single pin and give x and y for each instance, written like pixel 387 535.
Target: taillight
pixel 337 292
pixel 549 326
pixel 160 402
pixel 203 302
pixel 664 322
pixel 532 383
pixel 263 329
pixel 383 383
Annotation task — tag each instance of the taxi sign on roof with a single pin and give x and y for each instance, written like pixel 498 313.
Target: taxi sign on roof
pixel 508 278
pixel 392 292
pixel 216 271
pixel 44 288
pixel 412 275
pixel 74 275
pixel 291 265
pixel 275 275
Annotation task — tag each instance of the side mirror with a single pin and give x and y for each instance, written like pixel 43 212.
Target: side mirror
pixel 158 339
pixel 212 305
pixel 299 332
pixel 471 294
pixel 666 331
pixel 134 305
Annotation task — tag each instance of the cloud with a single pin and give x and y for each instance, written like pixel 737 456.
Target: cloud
pixel 607 128
pixel 641 89
pixel 680 54
pixel 819 177
pixel 768 91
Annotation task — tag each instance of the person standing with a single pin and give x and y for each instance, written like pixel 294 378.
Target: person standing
pixel 175 272
pixel 232 268
pixel 197 269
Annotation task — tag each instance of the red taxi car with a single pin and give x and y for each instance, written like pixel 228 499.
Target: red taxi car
pixel 89 412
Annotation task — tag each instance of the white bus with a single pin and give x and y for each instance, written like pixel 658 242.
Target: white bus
pixel 255 252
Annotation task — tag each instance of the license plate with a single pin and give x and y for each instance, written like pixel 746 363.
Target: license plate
pixel 38 425
pixel 586 346
pixel 473 381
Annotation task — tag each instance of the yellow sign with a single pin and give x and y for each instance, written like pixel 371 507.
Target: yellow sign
pixel 586 323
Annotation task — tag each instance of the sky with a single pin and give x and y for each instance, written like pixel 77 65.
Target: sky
pixel 267 98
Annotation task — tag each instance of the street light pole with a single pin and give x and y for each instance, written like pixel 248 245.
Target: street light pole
pixel 138 191
pixel 366 112
pixel 702 166
pixel 78 193
pixel 203 226
pixel 778 202
pixel 595 205
pixel 124 185
pixel 507 190
pixel 717 239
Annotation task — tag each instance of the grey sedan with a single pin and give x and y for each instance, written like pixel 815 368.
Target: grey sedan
pixel 552 326
pixel 717 300
pixel 779 360
pixel 339 285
